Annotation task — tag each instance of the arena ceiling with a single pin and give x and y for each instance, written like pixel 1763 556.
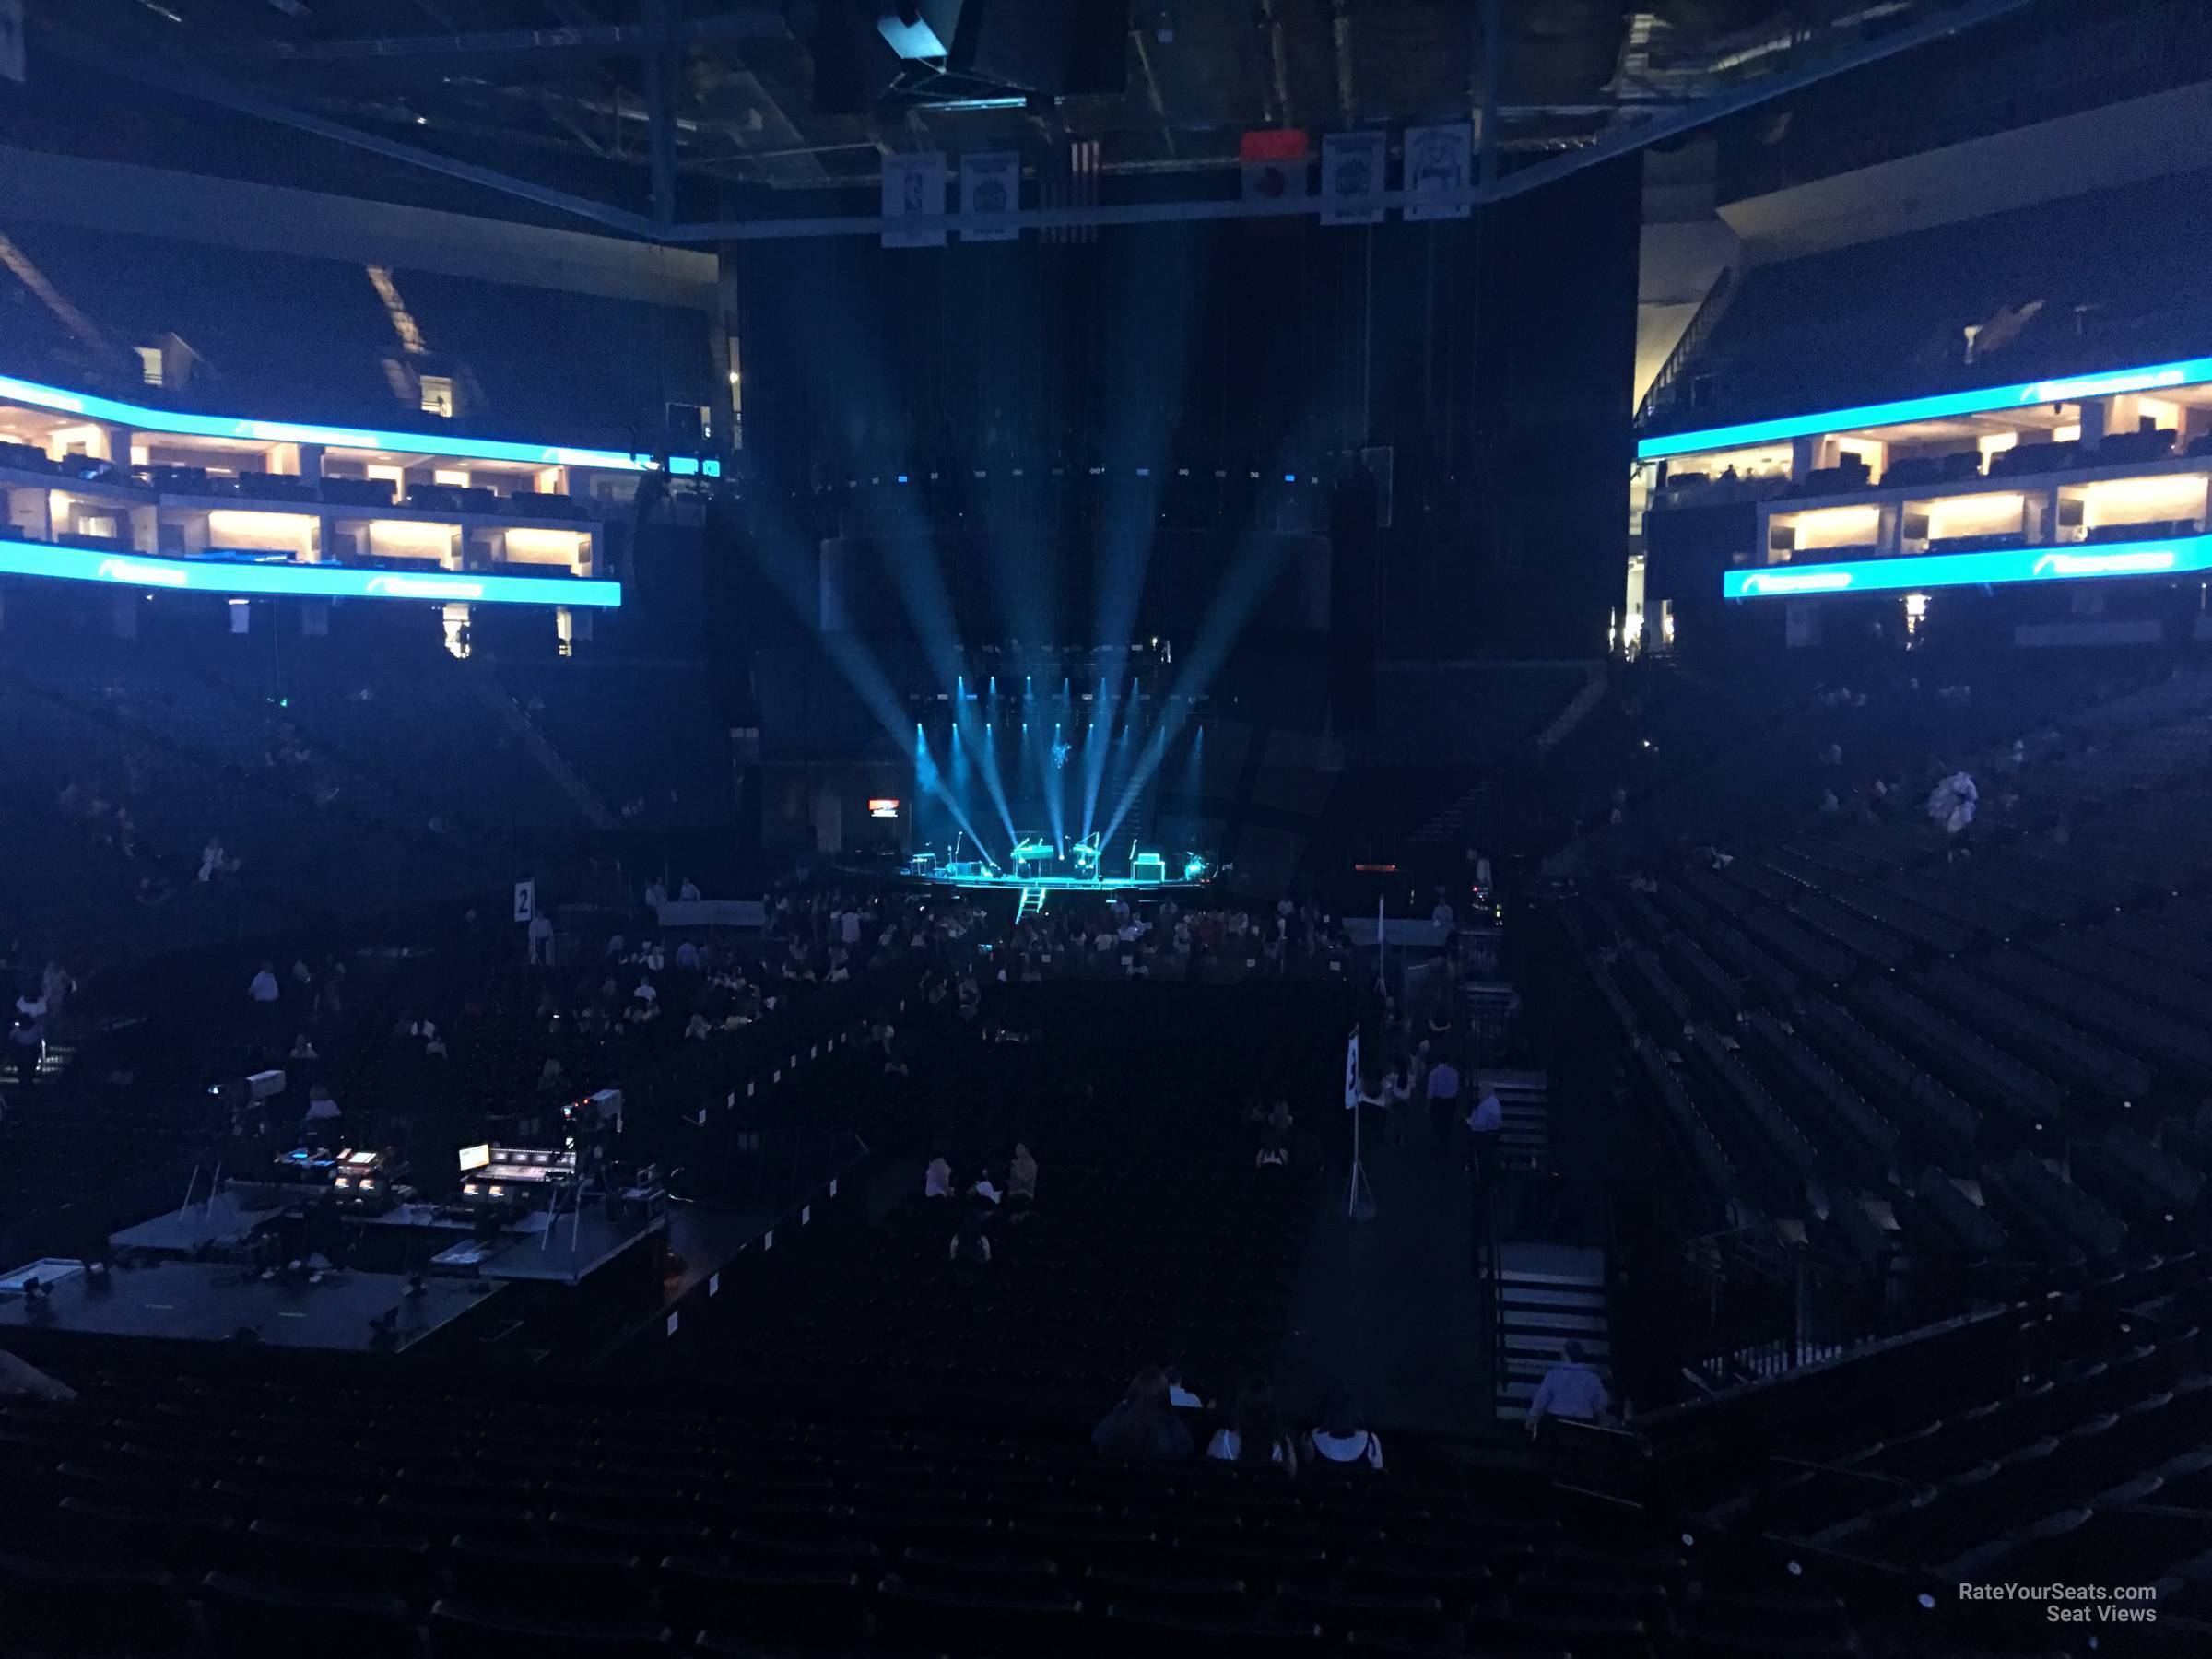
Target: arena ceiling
pixel 677 109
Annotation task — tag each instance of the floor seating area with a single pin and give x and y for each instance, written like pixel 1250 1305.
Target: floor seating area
pixel 230 1515
pixel 1154 1239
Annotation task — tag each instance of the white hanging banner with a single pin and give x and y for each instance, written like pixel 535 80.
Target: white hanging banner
pixel 913 187
pixel 990 184
pixel 1352 168
pixel 11 40
pixel 1440 163
pixel 1352 1072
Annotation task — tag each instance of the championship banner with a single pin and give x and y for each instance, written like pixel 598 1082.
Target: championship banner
pixel 990 184
pixel 1352 171
pixel 1440 163
pixel 913 187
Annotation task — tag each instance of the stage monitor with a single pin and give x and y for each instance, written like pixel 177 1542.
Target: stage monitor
pixel 476 1157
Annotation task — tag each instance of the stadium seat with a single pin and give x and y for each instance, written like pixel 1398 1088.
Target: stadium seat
pixel 459 1630
pixel 250 1616
pixel 52 1607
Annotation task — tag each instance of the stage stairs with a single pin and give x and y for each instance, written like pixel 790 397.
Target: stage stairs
pixel 1032 903
pixel 1522 1101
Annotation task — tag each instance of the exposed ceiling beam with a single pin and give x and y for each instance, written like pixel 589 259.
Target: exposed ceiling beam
pixel 595 39
pixel 1279 64
pixel 190 82
pixel 1340 27
pixel 1159 104
pixel 1953 20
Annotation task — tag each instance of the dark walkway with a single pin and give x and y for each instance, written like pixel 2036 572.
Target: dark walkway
pixel 1391 1304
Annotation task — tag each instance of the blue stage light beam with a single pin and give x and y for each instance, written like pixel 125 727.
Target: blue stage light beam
pixel 996 785
pixel 1122 751
pixel 1149 356
pixel 1255 568
pixel 781 553
pixel 929 781
pixel 1056 785
pixel 1096 751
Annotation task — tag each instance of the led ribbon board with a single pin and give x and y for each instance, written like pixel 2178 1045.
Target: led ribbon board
pixel 2076 563
pixel 309 581
pixel 2158 377
pixel 292 431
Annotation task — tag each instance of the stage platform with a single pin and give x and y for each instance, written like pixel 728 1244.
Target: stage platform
pixel 561 1250
pixel 220 1223
pixel 206 1301
pixel 409 1238
pixel 1053 887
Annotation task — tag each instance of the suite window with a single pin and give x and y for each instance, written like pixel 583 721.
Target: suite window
pixel 438 395
pixel 149 364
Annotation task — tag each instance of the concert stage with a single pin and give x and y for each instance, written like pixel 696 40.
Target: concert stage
pixel 1054 886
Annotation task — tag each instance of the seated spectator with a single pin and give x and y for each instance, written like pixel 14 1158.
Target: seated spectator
pixel 688 892
pixel 550 1078
pixel 27 1043
pixel 696 1029
pixel 1570 1389
pixel 971 1245
pixel 656 894
pixel 1256 1434
pixel 263 989
pixel 1339 1439
pixel 1181 1398
pixel 1021 1177
pixel 302 1049
pixel 321 1111
pixel 56 985
pixel 936 1182
pixel 1144 1425
pixel 687 955
pixel 984 1189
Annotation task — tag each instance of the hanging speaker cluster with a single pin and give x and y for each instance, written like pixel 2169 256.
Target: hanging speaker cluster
pixel 1051 48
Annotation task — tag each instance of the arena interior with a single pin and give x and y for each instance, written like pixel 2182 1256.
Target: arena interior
pixel 998 829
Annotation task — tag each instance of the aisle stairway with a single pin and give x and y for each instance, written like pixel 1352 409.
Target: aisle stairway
pixel 1522 1097
pixel 1549 1294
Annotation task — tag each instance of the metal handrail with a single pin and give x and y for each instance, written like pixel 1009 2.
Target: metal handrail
pixel 1702 322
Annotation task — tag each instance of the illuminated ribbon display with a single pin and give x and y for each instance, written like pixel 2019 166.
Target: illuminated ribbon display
pixel 307 582
pixel 291 431
pixel 2155 377
pixel 2076 563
